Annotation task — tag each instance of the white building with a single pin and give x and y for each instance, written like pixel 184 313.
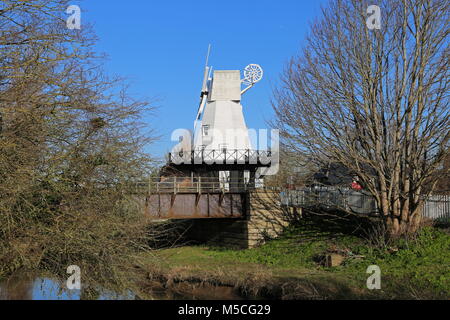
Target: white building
pixel 220 145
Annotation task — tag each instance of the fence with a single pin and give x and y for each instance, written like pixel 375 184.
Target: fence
pixel 435 207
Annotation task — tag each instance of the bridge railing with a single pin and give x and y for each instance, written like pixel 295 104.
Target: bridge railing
pixel 196 185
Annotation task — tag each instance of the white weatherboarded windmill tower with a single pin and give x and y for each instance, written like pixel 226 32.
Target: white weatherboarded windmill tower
pixel 220 120
pixel 220 146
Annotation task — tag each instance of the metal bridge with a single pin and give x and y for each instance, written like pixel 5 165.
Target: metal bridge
pixel 197 197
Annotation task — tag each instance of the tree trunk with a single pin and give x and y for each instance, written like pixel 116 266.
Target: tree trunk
pixel 407 223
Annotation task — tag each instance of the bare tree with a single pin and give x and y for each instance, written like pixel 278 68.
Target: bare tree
pixel 71 149
pixel 375 101
pixel 292 173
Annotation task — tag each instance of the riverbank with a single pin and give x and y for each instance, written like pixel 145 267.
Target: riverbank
pixel 291 267
pixel 295 267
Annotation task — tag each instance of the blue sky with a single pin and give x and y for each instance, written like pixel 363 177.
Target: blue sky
pixel 161 47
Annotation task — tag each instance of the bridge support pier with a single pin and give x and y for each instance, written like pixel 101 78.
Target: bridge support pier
pixel 265 218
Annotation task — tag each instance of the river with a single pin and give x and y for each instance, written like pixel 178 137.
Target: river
pixel 25 287
pixel 41 288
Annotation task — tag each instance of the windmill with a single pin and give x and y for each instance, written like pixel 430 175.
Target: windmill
pixel 220 123
pixel 221 145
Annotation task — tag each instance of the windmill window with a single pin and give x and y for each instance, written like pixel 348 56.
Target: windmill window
pixel 205 130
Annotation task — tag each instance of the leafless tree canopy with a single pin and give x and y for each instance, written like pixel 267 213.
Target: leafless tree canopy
pixel 375 101
pixel 71 146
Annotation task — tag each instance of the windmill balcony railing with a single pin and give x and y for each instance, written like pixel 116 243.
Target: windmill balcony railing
pixel 225 156
pixel 176 185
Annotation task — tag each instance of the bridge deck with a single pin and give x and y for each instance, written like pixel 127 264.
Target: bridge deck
pixel 196 198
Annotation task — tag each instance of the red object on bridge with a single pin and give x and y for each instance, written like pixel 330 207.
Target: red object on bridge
pixel 356 186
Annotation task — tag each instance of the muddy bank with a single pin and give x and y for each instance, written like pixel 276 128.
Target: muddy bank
pixel 179 285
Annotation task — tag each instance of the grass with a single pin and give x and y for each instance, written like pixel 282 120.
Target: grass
pixel 288 267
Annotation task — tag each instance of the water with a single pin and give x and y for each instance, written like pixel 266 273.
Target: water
pixel 26 287
pixel 41 288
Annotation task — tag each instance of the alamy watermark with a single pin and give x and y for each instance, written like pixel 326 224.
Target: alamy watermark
pixel 373 22
pixel 74 281
pixel 374 281
pixel 74 20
